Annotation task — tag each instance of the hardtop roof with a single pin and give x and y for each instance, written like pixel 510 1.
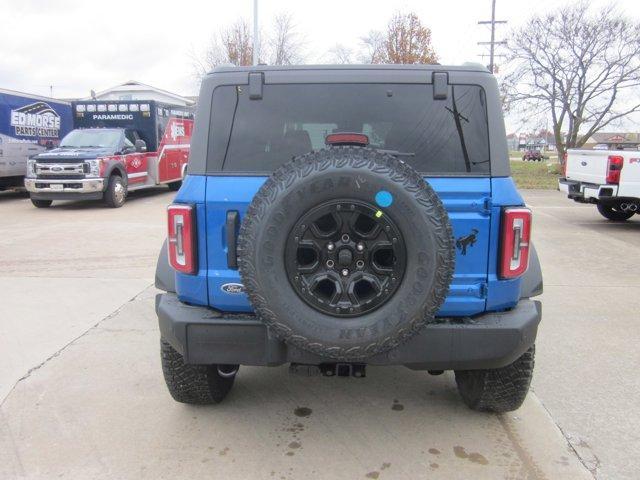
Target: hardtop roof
pixel 466 67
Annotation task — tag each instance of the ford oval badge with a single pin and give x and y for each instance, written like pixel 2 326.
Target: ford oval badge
pixel 584 164
pixel 232 288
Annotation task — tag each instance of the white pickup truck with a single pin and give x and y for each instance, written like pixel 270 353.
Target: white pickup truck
pixel 608 178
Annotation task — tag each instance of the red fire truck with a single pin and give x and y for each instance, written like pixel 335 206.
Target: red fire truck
pixel 116 147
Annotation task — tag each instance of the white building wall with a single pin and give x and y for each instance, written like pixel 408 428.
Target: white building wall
pixel 138 91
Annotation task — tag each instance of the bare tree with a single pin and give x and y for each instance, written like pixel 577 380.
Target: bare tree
pixel 286 43
pixel 232 45
pixel 373 47
pixel 580 68
pixel 340 54
pixel 405 41
pixel 237 43
pixel 283 46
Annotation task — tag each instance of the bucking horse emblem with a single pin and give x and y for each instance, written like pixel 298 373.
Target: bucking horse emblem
pixel 466 241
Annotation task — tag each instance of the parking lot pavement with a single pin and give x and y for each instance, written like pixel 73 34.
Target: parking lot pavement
pixel 63 269
pixel 587 357
pixel 98 408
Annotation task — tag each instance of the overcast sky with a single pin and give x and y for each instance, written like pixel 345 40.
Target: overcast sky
pixel 79 45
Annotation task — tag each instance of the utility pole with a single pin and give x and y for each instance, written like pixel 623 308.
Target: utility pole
pixel 256 39
pixel 492 44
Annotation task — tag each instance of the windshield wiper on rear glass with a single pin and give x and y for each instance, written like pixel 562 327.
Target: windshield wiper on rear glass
pixel 457 116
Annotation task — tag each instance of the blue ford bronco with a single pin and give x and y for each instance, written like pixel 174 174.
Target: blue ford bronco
pixel 336 217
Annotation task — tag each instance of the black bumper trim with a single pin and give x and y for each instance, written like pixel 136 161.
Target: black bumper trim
pixel 67 196
pixel 492 340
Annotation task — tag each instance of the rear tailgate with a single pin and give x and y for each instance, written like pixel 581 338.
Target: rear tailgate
pixel 468 203
pixel 630 174
pixel 588 166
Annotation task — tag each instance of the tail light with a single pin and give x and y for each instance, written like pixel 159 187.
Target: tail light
pixel 182 238
pixel 515 241
pixel 614 167
pixel 564 164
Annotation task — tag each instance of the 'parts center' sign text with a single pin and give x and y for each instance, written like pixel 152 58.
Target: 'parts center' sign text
pixel 36 120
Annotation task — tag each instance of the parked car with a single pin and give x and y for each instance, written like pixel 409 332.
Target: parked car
pixel 610 179
pixel 339 217
pixel 533 156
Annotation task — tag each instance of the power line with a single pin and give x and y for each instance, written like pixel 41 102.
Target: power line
pixel 492 43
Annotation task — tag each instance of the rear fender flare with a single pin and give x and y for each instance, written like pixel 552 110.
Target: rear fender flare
pixel 165 275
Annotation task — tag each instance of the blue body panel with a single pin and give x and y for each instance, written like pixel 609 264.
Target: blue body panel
pixel 193 288
pixel 466 201
pixel 474 206
pixel 501 294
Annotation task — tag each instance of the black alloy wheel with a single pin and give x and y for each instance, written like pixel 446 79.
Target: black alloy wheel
pixel 345 257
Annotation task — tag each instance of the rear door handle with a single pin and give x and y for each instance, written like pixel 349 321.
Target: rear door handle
pixel 232 227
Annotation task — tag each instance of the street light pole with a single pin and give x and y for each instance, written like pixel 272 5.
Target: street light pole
pixel 256 35
pixel 493 35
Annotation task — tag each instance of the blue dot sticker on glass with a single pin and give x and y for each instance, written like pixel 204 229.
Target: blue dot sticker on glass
pixel 384 199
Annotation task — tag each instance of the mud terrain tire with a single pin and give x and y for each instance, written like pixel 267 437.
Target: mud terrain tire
pixel 194 384
pixel 497 390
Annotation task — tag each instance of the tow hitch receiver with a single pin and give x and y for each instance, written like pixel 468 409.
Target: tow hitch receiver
pixel 358 370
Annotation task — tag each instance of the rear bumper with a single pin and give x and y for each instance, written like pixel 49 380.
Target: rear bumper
pixel 588 192
pixel 65 189
pixel 492 340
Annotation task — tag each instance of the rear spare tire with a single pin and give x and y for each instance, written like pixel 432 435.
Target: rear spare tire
pixel 346 252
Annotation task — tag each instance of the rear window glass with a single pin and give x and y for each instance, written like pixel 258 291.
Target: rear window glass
pixel 435 136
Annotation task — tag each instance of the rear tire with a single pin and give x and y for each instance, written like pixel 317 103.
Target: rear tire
pixel 116 193
pixel 175 186
pixel 497 390
pixel 41 203
pixel 193 384
pixel 612 214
